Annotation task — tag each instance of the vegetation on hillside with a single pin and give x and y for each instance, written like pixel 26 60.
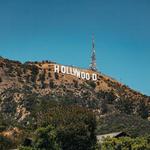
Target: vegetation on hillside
pixel 56 111
pixel 126 143
pixel 64 127
pixel 131 124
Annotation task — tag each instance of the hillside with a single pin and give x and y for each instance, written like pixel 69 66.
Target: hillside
pixel 17 81
pixel 25 86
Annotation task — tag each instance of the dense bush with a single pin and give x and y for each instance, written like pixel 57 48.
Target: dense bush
pixel 126 143
pixel 75 126
pixel 45 138
pixel 63 127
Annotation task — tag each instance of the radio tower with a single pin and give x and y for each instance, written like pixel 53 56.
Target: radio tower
pixel 93 56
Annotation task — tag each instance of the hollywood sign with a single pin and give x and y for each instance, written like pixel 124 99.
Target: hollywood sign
pixel 75 72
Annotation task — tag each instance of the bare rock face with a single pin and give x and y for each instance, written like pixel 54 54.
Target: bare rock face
pixel 22 86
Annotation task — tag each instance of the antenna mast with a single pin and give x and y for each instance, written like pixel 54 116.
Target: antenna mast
pixel 93 56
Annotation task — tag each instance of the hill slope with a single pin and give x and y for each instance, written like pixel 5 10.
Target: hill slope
pixel 19 82
pixel 26 89
pixel 23 87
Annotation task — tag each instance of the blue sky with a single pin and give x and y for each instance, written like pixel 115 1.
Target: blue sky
pixel 61 31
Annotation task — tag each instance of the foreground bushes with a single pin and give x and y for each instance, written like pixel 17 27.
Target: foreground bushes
pixel 64 128
pixel 75 126
pixel 126 143
pixel 45 138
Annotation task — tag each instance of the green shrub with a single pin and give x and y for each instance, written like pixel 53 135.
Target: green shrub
pixel 126 143
pixel 45 138
pixel 75 126
pixel 92 84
